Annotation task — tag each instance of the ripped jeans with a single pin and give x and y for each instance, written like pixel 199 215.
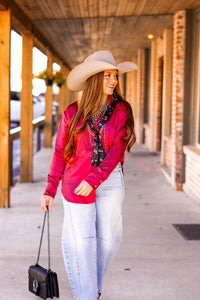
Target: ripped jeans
pixel 91 236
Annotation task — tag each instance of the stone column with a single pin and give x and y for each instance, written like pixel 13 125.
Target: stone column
pixel 140 95
pixel 178 76
pixel 158 104
pixel 131 87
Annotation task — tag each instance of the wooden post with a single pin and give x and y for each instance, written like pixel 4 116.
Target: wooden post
pixel 66 96
pixel 5 28
pixel 61 99
pixel 48 108
pixel 60 103
pixel 66 92
pixel 26 134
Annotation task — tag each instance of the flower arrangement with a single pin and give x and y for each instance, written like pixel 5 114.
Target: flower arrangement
pixel 59 78
pixel 46 76
pixel 51 77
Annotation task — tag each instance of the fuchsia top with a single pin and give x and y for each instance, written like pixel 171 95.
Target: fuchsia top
pixel 80 167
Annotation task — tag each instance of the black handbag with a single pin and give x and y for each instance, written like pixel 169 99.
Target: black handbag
pixel 43 282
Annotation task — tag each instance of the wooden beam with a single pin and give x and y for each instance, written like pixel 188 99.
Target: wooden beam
pixel 27 25
pixel 4 5
pixel 26 135
pixel 5 25
pixel 48 108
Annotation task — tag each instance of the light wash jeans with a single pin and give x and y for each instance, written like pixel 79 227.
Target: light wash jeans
pixel 91 235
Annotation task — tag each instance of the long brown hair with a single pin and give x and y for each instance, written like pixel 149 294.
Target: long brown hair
pixel 90 104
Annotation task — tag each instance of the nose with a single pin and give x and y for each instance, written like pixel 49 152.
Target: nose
pixel 113 78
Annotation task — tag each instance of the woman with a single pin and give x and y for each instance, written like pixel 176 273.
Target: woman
pixel 88 156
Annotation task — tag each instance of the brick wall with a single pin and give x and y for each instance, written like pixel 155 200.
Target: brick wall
pixel 147 140
pixel 140 94
pixel 158 104
pixel 168 153
pixel 178 96
pixel 131 88
pixel 192 169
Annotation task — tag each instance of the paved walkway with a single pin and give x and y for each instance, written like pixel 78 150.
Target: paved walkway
pixel 154 262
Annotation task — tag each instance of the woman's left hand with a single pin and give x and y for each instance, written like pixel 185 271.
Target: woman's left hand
pixel 83 189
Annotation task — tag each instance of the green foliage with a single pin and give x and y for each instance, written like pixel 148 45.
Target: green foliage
pixel 56 77
pixel 59 78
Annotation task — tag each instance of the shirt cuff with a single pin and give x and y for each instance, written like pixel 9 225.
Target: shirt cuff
pixel 93 182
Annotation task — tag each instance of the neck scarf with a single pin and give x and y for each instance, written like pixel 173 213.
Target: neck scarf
pixel 98 154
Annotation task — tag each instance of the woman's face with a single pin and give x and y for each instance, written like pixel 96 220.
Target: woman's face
pixel 110 81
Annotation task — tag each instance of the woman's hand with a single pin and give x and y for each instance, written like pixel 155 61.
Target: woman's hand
pixel 46 201
pixel 83 189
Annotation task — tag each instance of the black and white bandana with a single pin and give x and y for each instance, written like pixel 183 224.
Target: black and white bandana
pixel 98 154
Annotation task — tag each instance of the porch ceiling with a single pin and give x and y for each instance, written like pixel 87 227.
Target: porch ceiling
pixel 72 29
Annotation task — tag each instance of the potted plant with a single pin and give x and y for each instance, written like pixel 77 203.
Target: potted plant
pixel 59 78
pixel 48 77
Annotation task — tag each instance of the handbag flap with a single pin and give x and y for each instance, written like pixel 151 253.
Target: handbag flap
pixel 38 272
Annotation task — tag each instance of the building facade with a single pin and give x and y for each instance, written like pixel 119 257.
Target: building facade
pixel 165 96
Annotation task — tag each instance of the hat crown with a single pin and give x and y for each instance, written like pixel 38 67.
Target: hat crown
pixel 104 56
pixel 97 62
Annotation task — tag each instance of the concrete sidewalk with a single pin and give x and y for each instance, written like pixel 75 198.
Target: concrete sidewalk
pixel 154 262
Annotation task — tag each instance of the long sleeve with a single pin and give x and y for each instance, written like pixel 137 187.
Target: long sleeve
pixel 58 162
pixel 101 173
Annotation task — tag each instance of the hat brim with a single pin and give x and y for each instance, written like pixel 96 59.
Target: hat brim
pixel 78 76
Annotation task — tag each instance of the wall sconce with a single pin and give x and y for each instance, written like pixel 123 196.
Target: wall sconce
pixel 150 36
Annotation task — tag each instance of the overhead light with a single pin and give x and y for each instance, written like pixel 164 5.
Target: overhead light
pixel 150 36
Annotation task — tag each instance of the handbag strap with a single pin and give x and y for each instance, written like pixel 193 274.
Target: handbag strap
pixel 48 238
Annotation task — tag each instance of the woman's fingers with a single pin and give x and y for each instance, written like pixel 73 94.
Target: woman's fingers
pixel 76 191
pixel 46 201
pixel 50 202
pixel 83 189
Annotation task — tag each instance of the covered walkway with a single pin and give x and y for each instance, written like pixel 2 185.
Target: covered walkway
pixel 154 261
pixel 160 37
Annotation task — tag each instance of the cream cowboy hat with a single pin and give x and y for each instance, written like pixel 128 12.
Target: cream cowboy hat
pixel 93 64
